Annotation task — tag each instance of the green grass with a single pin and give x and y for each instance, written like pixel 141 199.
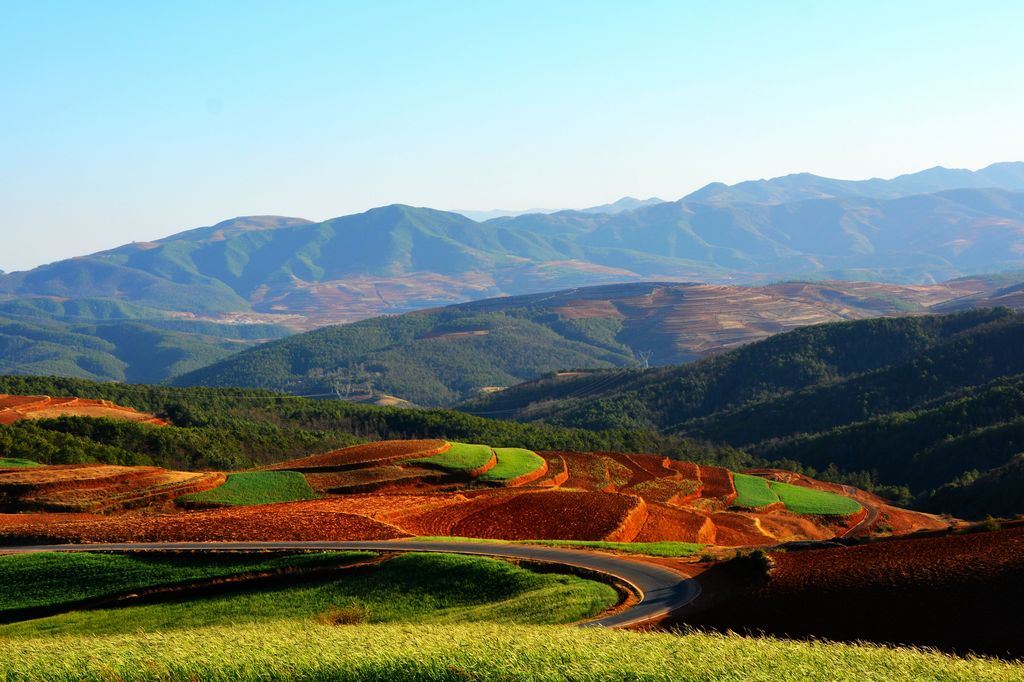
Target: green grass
pixel 753 492
pixel 411 588
pixel 54 577
pixel 662 549
pixel 800 500
pixel 16 462
pixel 289 650
pixel 459 457
pixel 512 463
pixel 255 487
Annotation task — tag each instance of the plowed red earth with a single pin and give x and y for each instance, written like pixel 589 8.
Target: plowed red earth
pixel 959 592
pixel 549 515
pixel 370 454
pixel 671 523
pixel 90 488
pixel 17 407
pixel 314 520
pixel 717 483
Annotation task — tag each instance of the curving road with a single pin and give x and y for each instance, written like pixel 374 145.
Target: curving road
pixel 661 591
pixel 869 518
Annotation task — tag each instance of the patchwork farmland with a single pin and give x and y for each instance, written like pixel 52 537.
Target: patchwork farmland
pixel 394 489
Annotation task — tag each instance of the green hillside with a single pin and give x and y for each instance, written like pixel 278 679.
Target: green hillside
pixel 127 349
pixel 429 358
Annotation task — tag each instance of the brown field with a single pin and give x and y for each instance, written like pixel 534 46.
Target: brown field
pixel 553 515
pixel 374 490
pixel 371 454
pixel 17 407
pixel 956 591
pixel 97 488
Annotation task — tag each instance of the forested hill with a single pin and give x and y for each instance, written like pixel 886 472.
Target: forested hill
pixel 236 429
pixel 441 356
pixel 922 401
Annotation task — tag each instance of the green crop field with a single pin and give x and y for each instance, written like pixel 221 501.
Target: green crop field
pixel 55 578
pixel 753 492
pixel 307 650
pixel 662 549
pixel 255 487
pixel 800 500
pixel 411 588
pixel 459 457
pixel 12 462
pixel 512 463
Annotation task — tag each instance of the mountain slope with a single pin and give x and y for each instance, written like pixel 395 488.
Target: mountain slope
pixel 801 186
pixel 125 349
pixel 923 402
pixel 398 258
pixel 439 357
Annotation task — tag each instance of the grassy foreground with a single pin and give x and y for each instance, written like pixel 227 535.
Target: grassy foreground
pixel 661 549
pixel 410 588
pixel 290 650
pixel 255 487
pixel 56 578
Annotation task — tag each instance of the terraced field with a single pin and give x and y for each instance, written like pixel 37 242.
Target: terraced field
pixel 14 408
pixel 396 489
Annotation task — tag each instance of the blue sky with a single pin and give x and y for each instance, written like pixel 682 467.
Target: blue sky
pixel 131 121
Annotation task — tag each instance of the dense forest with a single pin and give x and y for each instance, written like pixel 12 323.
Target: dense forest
pixel 432 358
pixel 232 429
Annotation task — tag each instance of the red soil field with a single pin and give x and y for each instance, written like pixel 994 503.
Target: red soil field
pixel 957 592
pixel 739 530
pixel 314 520
pixel 586 496
pixel 717 483
pixel 670 523
pixel 446 513
pixel 370 454
pixel 374 479
pixel 595 471
pixel 94 488
pixel 558 470
pixel 15 408
pixel 552 515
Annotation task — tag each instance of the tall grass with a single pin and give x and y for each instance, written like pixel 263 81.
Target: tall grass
pixel 411 588
pixel 297 650
pixel 49 578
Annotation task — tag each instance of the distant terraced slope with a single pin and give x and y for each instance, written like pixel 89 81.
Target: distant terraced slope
pixel 442 356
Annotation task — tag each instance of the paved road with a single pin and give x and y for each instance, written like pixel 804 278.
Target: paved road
pixel 869 518
pixel 661 590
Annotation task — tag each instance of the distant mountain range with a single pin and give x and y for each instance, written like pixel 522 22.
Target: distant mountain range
pixel 442 356
pixel 926 227
pixel 623 204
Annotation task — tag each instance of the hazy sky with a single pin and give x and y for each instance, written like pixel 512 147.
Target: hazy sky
pixel 131 121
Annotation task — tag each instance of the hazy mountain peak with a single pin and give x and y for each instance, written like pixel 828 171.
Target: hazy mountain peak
pixel 236 226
